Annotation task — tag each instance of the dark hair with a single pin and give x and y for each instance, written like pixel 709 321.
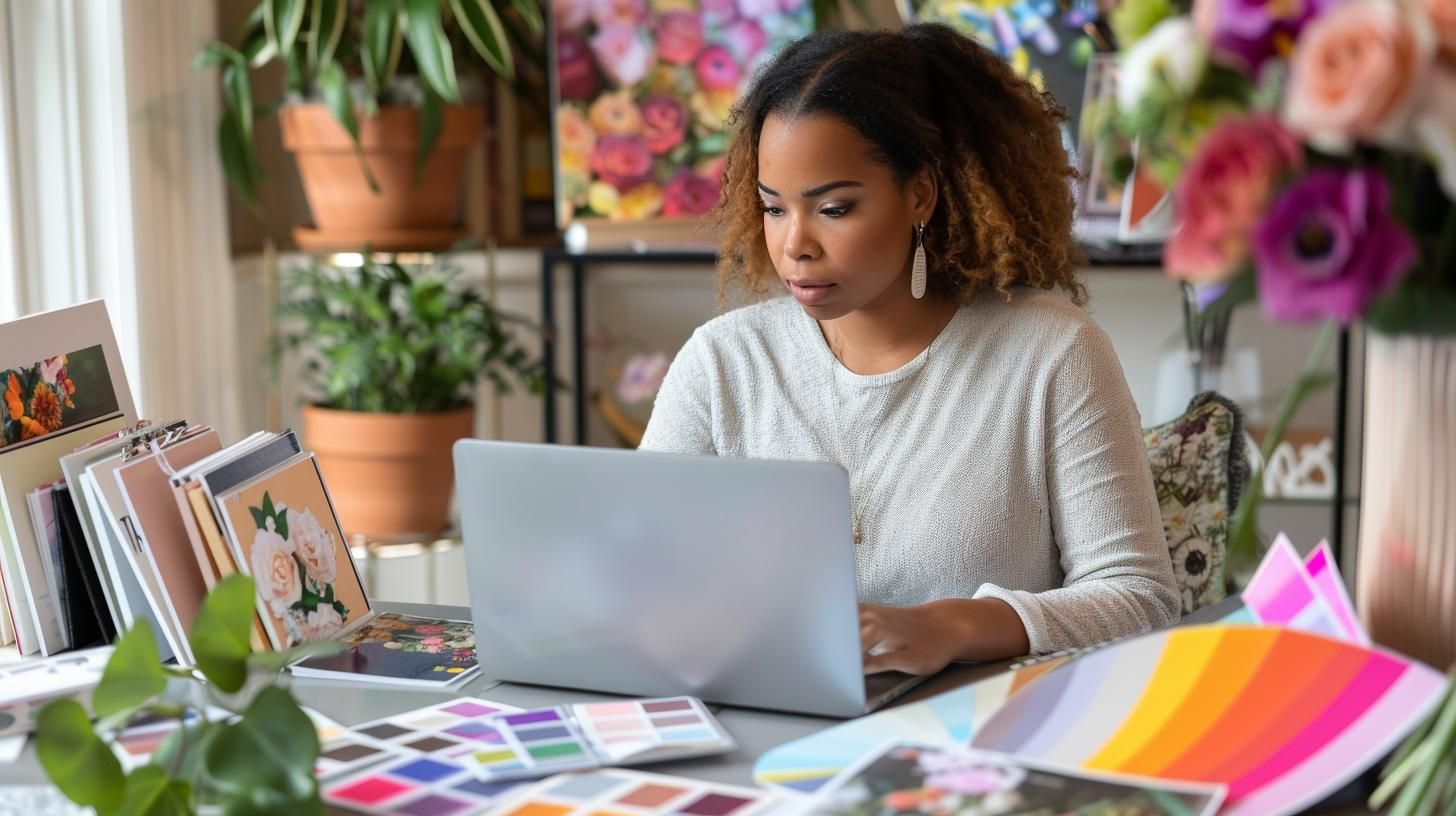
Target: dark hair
pixel 922 96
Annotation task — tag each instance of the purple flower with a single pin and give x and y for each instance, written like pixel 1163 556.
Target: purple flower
pixel 1248 33
pixel 1328 246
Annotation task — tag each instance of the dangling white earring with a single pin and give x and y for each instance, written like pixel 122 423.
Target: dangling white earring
pixel 917 269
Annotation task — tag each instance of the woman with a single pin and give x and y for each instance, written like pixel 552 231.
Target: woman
pixel 1001 497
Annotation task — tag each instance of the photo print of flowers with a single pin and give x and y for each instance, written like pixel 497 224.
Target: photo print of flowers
pixel 643 92
pixel 291 541
pixel 54 394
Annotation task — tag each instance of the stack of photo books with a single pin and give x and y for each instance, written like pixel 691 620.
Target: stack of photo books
pixel 107 520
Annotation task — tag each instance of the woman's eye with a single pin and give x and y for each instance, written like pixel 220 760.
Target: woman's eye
pixel 835 212
pixel 771 210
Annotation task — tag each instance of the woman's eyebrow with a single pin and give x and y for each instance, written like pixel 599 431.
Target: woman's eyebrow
pixel 815 192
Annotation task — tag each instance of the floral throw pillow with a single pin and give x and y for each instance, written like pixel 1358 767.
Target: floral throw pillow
pixel 1199 470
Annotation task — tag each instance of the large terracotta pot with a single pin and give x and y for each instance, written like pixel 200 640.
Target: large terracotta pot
pixel 1406 582
pixel 389 474
pixel 403 214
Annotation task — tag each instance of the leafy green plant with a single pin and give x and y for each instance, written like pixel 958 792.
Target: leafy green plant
pixel 324 44
pixel 382 339
pixel 258 759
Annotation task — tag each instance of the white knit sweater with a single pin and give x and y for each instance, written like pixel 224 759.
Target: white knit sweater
pixel 1005 461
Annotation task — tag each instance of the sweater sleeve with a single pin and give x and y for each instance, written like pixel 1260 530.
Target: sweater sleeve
pixel 681 420
pixel 1104 512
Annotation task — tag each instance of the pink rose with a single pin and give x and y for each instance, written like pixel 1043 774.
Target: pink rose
pixel 577 76
pixel 275 572
pixel 1223 194
pixel 622 161
pixel 716 69
pixel 618 12
pixel 718 12
pixel 1355 74
pixel 664 123
pixel 624 56
pixel 570 15
pixel 745 39
pixel 689 194
pixel 679 37
pixel 1442 14
pixel 757 9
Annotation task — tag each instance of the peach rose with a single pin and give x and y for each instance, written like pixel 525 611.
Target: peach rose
pixel 320 624
pixel 576 134
pixel 314 545
pixel 1355 74
pixel 615 114
pixel 275 571
pixel 1442 14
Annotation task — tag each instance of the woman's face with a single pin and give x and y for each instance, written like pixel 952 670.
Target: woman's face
pixel 839 229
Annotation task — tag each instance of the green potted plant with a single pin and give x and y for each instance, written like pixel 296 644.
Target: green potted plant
pixel 376 107
pixel 393 358
pixel 258 758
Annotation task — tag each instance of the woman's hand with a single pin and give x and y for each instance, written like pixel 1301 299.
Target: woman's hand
pixel 925 639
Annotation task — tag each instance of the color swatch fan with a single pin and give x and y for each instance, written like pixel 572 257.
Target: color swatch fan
pixel 1282 717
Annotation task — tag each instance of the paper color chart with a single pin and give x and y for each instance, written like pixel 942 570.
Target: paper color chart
pixel 948 719
pixel 632 793
pixel 551 740
pixel 416 785
pixel 1320 564
pixel 1283 593
pixel 1195 704
pixel 455 726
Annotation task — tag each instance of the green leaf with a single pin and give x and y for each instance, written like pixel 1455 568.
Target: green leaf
pixel 432 121
pixel 238 94
pixel 378 38
pixel 272 748
pixel 276 661
pixel 220 632
pixel 150 793
pixel 215 54
pixel 260 519
pixel 482 27
pixel 133 674
pixel 335 88
pixel 283 19
pixel 431 48
pixel 75 759
pixel 329 17
pixel 182 751
pixel 531 13
pixel 1416 306
pixel 238 162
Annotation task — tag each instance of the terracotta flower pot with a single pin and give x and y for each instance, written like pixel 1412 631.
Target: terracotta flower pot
pixel 389 474
pixel 403 214
pixel 1406 582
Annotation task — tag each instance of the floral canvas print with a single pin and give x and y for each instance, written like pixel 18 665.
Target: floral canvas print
pixel 916 779
pixel 643 91
pixel 55 394
pixel 290 541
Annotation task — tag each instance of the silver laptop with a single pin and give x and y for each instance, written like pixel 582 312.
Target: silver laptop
pixel 654 574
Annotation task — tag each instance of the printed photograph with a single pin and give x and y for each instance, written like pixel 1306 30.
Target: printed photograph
pixel 405 647
pixel 916 779
pixel 55 394
pixel 643 92
pixel 292 545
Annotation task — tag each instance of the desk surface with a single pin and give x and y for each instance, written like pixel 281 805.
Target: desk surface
pixel 755 731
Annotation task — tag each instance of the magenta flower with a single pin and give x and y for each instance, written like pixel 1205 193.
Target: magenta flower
pixel 622 161
pixel 718 12
pixel 664 122
pixel 679 37
pixel 577 74
pixel 1328 247
pixel 689 194
pixel 716 69
pixel 1248 33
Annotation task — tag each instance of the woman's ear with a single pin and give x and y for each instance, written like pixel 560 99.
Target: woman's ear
pixel 923 193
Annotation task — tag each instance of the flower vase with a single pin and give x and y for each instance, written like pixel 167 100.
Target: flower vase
pixel 1406 581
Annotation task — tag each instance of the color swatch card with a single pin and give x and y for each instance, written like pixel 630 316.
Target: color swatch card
pixel 417 785
pixel 908 778
pixel 632 793
pixel 551 740
pixel 1322 568
pixel 1283 718
pixel 456 727
pixel 1282 593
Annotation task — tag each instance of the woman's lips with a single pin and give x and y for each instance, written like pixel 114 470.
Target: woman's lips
pixel 810 293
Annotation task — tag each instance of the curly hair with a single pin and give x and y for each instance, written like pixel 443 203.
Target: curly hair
pixel 922 96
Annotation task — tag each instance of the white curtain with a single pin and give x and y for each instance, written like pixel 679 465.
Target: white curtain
pixel 110 187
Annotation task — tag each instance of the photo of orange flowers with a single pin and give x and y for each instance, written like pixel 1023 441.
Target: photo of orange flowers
pixel 54 394
pixel 643 89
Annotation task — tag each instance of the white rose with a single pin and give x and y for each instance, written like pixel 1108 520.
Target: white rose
pixel 1170 53
pixel 321 624
pixel 315 545
pixel 275 571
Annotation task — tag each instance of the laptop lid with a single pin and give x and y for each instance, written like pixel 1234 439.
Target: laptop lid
pixel 659 574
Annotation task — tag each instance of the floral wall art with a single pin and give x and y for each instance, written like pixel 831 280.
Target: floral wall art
pixel 643 90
